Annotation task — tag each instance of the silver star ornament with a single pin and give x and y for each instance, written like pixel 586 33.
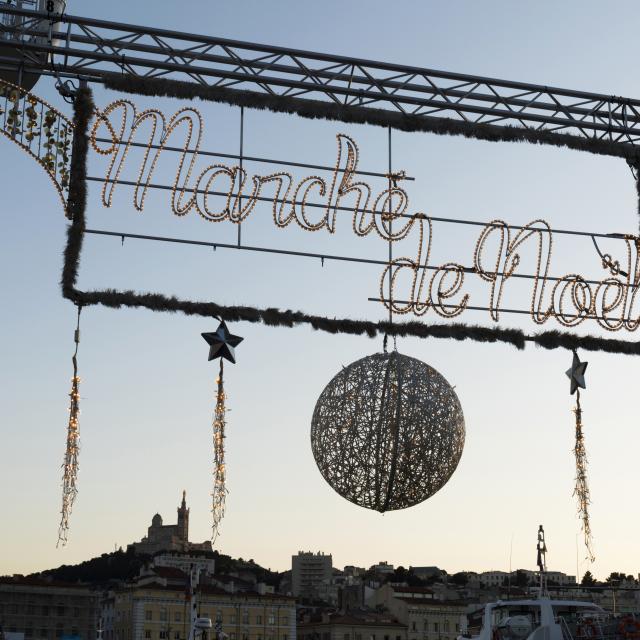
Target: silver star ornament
pixel 576 374
pixel 222 344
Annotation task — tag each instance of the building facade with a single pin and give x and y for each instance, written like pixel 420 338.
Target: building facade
pixel 499 578
pixel 493 578
pixel 308 572
pixel 43 610
pixel 383 568
pixel 425 616
pixel 161 612
pixel 185 562
pixel 426 573
pixel 362 626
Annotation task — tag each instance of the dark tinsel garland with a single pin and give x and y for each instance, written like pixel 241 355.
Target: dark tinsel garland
pixel 635 169
pixel 83 108
pixel 318 109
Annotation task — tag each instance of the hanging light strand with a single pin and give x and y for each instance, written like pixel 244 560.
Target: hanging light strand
pixel 581 490
pixel 70 464
pixel 219 493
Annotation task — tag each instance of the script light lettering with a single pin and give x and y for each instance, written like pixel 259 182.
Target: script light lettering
pixel 408 284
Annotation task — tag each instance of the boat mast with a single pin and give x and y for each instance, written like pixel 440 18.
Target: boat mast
pixel 542 561
pixel 194 579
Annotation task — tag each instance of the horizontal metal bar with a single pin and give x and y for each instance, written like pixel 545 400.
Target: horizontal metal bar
pixel 474 308
pixel 310 87
pixel 313 88
pixel 570 232
pixel 317 205
pixel 314 55
pixel 234 156
pixel 351 82
pixel 581 587
pixel 322 257
pixel 307 254
pixel 241 247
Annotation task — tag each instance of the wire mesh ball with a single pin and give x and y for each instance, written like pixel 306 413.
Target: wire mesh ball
pixel 387 432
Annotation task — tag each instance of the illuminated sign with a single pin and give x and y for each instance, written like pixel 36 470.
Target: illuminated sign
pixel 220 192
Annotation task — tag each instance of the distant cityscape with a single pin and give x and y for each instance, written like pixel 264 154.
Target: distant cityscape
pixel 143 593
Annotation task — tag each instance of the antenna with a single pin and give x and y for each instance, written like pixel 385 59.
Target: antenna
pixel 510 569
pixel 577 565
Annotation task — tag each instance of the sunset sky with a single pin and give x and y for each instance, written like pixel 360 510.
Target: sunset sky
pixel 147 390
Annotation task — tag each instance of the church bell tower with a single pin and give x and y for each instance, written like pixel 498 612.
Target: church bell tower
pixel 183 519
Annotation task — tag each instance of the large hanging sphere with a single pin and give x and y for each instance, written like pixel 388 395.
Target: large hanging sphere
pixel 387 432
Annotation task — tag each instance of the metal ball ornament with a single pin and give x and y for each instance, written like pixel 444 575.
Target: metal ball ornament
pixel 387 432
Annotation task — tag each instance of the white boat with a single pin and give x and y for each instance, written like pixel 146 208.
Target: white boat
pixel 539 619
pixel 544 618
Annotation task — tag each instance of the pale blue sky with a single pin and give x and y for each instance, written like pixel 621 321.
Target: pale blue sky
pixel 147 389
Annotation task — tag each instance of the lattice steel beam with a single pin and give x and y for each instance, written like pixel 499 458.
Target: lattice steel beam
pixel 93 49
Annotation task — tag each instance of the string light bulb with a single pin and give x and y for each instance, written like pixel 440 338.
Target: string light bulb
pixel 581 489
pixel 219 493
pixel 70 462
pixel 44 134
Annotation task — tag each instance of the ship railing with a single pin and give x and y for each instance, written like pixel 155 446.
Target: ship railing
pixel 592 630
pixel 566 631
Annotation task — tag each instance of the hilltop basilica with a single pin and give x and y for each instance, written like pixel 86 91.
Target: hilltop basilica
pixel 170 537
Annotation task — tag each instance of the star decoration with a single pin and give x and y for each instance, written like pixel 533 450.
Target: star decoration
pixel 222 344
pixel 576 373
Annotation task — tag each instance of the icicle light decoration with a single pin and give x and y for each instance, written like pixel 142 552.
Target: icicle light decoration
pixel 70 464
pixel 581 490
pixel 219 472
pixel 222 345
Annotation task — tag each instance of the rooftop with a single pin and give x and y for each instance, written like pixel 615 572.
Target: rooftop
pixel 351 619
pixel 35 581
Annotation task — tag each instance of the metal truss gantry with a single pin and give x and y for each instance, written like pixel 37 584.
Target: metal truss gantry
pixel 93 49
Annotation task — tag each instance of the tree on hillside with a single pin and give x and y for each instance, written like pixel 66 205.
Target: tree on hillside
pixel 519 580
pixel 413 580
pixel 119 565
pixel 399 575
pixel 460 578
pixel 615 577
